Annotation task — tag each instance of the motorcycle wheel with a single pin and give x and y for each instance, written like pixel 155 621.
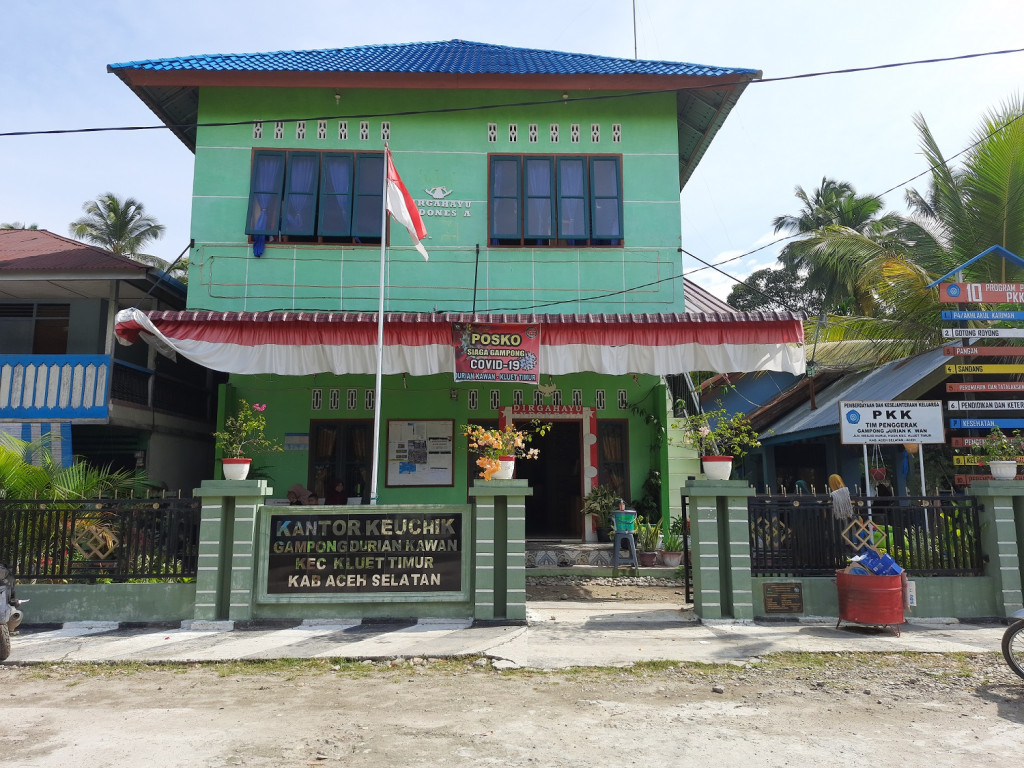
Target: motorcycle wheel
pixel 1013 647
pixel 5 642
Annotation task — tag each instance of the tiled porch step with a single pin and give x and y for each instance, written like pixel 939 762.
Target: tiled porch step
pixel 544 554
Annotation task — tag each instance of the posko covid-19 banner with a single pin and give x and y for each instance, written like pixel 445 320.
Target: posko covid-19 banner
pixel 497 352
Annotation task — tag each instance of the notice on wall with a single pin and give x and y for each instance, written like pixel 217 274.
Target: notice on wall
pixel 420 452
pixel 891 421
pixel 494 352
pixel 365 553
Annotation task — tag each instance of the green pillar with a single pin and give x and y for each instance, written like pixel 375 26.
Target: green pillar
pixel 499 565
pixel 225 582
pixel 720 548
pixel 1002 536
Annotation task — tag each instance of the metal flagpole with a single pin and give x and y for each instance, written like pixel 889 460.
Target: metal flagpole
pixel 380 335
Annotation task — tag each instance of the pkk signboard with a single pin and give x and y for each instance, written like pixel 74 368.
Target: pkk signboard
pixel 361 553
pixel 891 421
pixel 497 352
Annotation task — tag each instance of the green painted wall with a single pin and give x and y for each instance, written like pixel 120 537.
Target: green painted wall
pixel 937 597
pixel 445 149
pixel 290 410
pixel 59 603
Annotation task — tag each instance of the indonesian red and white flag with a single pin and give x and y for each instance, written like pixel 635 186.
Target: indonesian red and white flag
pixel 401 206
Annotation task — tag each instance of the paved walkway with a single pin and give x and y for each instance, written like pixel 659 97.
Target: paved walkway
pixel 556 635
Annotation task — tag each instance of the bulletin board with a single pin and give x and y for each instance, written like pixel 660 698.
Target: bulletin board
pixel 420 453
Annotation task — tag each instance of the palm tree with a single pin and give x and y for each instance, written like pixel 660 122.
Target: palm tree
pixel 18 225
pixel 120 226
pixel 965 210
pixel 835 204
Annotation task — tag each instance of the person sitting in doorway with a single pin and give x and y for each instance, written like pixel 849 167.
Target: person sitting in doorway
pixel 335 493
pixel 299 494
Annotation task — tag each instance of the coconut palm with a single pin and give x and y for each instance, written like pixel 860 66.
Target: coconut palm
pixel 834 204
pixel 18 225
pixel 120 226
pixel 965 210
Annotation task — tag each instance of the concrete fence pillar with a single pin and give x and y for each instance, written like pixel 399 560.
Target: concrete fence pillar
pixel 1002 537
pixel 225 581
pixel 720 548
pixel 499 567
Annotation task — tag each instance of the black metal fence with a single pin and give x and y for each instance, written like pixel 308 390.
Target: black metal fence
pixel 928 536
pixel 116 540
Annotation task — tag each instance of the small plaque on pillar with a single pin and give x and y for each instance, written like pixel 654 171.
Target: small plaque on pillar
pixel 783 597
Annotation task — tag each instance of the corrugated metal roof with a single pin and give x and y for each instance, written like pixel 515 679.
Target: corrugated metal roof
pixel 467 317
pixel 888 382
pixel 462 57
pixel 37 250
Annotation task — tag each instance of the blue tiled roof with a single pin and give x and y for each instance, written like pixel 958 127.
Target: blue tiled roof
pixel 445 57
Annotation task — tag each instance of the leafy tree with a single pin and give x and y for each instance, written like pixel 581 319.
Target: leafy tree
pixel 775 289
pixel 965 210
pixel 18 225
pixel 120 226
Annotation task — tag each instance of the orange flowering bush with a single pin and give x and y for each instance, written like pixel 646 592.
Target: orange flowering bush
pixel 492 445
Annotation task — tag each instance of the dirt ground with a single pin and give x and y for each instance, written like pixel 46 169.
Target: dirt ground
pixel 625 588
pixel 914 711
pixel 799 710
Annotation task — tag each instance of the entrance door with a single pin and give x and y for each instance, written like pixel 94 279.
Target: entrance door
pixel 553 511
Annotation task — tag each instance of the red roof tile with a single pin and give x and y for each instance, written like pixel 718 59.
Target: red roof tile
pixel 35 250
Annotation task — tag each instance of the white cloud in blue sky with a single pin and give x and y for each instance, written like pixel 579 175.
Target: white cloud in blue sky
pixel 855 127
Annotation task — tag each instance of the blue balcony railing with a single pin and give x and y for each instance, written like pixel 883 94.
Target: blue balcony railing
pixel 35 387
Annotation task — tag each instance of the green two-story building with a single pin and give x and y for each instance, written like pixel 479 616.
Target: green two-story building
pixel 549 185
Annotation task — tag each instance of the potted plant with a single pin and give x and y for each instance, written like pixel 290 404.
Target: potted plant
pixel 672 544
pixel 647 537
pixel 601 502
pixel 499 448
pixel 719 438
pixel 1001 452
pixel 244 432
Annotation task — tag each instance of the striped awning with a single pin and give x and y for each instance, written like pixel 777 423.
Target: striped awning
pixel 303 343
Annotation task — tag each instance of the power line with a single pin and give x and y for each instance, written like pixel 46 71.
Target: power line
pixel 481 107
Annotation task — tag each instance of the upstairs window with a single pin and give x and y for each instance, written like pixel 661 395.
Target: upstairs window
pixel 333 197
pixel 555 200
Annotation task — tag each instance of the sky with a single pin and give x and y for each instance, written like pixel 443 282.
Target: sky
pixel 852 127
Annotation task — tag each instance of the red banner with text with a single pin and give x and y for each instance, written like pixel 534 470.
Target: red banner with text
pixel 497 352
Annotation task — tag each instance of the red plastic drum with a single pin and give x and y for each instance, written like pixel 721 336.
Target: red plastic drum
pixel 869 599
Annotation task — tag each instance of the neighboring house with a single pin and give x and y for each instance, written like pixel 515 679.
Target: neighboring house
pixel 61 371
pixel 549 184
pixel 798 420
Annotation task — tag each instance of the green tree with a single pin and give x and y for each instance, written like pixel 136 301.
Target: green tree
pixel 121 226
pixel 30 471
pixel 966 209
pixel 18 225
pixel 775 289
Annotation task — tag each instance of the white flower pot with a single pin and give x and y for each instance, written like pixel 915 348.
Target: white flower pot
pixel 1003 470
pixel 235 469
pixel 717 467
pixel 508 466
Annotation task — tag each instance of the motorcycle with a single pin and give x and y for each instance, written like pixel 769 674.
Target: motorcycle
pixel 10 616
pixel 1013 643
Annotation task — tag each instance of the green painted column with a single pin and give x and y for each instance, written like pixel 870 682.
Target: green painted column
pixel 499 564
pixel 1002 537
pixel 720 548
pixel 227 537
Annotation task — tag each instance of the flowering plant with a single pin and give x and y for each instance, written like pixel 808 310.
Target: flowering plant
pixel 998 446
pixel 245 432
pixel 492 445
pixel 715 433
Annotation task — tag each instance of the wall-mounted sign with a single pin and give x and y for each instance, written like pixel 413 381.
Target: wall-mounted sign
pixel 983 351
pixel 420 452
pixel 494 352
pixel 364 553
pixel 982 333
pixel 783 597
pixel 547 410
pixel 891 421
pixel 985 386
pixel 985 293
pixel 986 423
pixel 983 368
pixel 985 405
pixel 981 314
pixel 439 204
